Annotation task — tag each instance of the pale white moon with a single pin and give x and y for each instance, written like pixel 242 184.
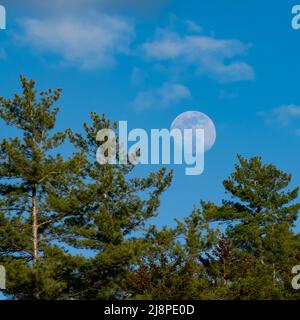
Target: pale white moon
pixel 197 120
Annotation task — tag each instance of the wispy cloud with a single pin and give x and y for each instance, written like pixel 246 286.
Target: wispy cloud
pixel 192 26
pixel 227 95
pixel 86 43
pixel 283 115
pixel 169 94
pixel 206 54
pixel 88 34
pixel 60 7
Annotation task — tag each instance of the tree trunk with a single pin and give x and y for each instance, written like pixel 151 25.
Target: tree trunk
pixel 35 253
pixel 224 274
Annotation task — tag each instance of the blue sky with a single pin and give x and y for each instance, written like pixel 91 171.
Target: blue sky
pixel 236 61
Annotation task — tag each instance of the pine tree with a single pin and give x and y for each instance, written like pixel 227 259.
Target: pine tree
pixel 38 189
pixel 115 208
pixel 50 203
pixel 155 273
pixel 172 267
pixel 260 220
pixel 72 228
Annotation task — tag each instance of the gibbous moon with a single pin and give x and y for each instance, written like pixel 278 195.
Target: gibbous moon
pixel 197 120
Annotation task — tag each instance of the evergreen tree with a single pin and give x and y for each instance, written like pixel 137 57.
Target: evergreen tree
pixel 115 207
pixel 171 267
pixel 54 206
pixel 38 189
pixel 260 228
pixel 50 203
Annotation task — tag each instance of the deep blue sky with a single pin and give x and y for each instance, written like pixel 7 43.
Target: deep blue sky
pixel 236 61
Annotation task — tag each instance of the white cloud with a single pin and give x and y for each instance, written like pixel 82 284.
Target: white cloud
pixel 85 33
pixel 167 95
pixel 207 55
pixel 63 7
pixel 193 26
pixel 86 43
pixel 226 95
pixel 283 115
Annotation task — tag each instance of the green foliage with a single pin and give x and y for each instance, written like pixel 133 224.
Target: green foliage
pixel 171 267
pixel 250 255
pixel 34 179
pixel 260 220
pixel 71 228
pixel 50 203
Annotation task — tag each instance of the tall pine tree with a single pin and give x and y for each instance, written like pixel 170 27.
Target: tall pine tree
pixel 260 220
pixel 38 189
pixel 116 207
